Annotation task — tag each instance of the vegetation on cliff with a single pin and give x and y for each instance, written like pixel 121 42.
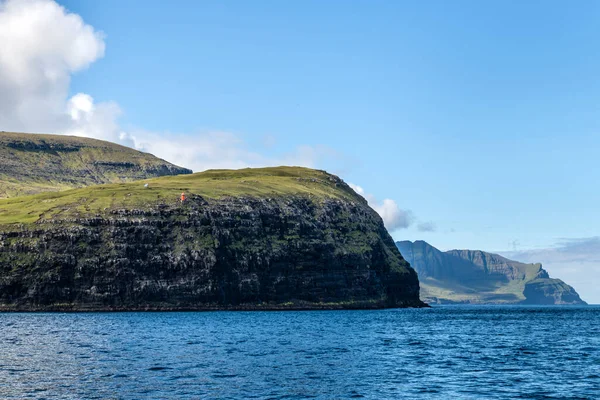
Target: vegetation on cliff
pixel 165 191
pixel 267 238
pixel 474 276
pixel 32 163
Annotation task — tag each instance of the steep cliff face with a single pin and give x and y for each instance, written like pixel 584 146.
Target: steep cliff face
pixel 280 238
pixel 550 291
pixel 498 266
pixel 31 163
pixel 474 276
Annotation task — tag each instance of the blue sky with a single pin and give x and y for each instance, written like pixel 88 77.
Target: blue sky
pixel 479 116
pixel 478 119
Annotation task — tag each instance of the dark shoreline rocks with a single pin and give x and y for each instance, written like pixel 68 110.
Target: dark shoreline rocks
pixel 300 306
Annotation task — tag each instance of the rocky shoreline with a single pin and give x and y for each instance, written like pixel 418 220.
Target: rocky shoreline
pixel 306 306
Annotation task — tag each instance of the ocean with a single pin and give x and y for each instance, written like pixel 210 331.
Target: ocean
pixel 452 352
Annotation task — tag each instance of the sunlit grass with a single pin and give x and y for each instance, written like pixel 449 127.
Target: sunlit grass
pixel 212 184
pixel 33 163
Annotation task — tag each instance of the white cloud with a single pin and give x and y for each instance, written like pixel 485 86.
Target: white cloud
pixel 94 120
pixel 42 45
pixel 221 150
pixel 393 216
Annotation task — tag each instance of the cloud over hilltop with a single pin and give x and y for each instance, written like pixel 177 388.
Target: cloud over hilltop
pixel 393 216
pixel 428 226
pixel 42 45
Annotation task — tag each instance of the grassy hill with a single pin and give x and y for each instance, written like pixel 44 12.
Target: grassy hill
pixel 268 238
pixel 212 184
pixel 474 276
pixel 33 163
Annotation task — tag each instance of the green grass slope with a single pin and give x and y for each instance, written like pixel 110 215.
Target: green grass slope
pixel 212 184
pixel 478 277
pixel 267 238
pixel 34 163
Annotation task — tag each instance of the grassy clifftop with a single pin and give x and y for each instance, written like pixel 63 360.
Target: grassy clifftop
pixel 269 238
pixel 33 163
pixel 212 184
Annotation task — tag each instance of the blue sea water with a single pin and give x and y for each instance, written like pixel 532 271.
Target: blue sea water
pixel 463 352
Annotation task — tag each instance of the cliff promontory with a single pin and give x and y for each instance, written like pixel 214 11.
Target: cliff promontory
pixel 478 277
pixel 271 238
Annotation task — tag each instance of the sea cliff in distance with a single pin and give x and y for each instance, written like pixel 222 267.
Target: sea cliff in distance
pixel 269 238
pixel 477 277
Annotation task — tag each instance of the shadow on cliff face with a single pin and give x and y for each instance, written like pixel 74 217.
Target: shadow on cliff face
pixel 242 253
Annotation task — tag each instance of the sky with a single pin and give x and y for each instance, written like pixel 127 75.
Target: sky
pixel 467 124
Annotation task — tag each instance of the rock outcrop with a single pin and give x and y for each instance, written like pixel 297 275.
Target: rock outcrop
pixel 545 290
pixel 477 277
pixel 273 238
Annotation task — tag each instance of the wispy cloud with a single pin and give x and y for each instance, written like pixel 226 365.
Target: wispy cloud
pixel 427 227
pixel 580 249
pixel 205 150
pixel 575 260
pixel 565 250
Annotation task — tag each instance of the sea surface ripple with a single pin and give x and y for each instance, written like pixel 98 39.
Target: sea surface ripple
pixel 462 352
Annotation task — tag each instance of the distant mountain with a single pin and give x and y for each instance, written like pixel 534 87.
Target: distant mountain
pixel 32 163
pixel 473 276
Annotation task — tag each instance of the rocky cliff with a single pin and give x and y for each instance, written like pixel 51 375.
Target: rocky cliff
pixel 31 163
pixel 474 276
pixel 273 238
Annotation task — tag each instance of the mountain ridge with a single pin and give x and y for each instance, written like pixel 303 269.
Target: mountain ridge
pixel 475 276
pixel 35 163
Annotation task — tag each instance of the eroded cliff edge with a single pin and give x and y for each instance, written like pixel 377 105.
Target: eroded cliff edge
pixel 273 238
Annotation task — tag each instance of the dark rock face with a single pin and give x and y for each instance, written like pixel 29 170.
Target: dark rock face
pixel 233 253
pixel 493 264
pixel 550 291
pixel 474 276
